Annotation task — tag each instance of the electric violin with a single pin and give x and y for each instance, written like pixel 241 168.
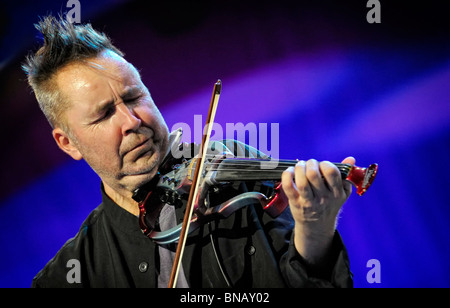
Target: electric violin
pixel 180 179
pixel 172 188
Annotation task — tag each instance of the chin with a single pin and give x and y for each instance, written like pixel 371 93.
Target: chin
pixel 150 165
pixel 136 181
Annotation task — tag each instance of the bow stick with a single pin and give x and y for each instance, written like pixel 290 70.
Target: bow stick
pixel 195 184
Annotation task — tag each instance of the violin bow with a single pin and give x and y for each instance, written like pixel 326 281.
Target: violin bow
pixel 195 184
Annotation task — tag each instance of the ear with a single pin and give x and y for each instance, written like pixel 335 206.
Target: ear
pixel 66 144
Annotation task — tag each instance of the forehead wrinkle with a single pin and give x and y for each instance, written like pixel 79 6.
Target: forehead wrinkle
pixel 117 94
pixel 107 66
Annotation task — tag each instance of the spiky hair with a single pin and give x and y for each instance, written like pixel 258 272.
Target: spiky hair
pixel 64 43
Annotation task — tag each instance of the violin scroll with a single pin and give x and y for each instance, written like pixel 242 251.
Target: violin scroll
pixel 362 178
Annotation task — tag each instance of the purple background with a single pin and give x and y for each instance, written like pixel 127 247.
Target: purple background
pixel 336 85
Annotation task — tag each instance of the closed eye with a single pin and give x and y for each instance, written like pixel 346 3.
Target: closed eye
pixel 132 101
pixel 109 108
pixel 107 113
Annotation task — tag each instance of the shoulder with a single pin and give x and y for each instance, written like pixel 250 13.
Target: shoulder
pixel 61 270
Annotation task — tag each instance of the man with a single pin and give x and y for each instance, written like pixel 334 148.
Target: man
pixel 100 111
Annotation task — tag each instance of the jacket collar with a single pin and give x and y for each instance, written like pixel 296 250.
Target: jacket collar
pixel 119 217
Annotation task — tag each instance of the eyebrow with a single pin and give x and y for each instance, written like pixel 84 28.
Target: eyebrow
pixel 128 93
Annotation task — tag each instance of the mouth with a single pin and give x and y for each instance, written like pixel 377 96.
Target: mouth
pixel 136 147
pixel 141 160
pixel 147 165
pixel 140 150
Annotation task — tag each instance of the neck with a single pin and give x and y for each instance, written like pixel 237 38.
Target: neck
pixel 125 202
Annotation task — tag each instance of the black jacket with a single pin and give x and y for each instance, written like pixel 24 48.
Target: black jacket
pixel 113 252
pixel 253 250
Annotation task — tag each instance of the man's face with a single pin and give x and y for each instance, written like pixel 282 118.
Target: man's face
pixel 113 121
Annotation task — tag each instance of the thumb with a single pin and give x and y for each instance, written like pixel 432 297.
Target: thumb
pixel 349 160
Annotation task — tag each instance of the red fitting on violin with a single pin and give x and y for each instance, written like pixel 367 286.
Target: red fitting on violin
pixel 362 178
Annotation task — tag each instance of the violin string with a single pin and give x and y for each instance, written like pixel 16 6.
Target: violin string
pixel 240 161
pixel 343 168
pixel 259 159
pixel 236 164
pixel 277 171
pixel 276 164
pixel 252 160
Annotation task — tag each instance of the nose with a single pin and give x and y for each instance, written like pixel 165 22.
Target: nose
pixel 130 122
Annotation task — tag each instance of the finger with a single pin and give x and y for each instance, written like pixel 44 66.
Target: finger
pixel 288 185
pixel 332 177
pixel 346 184
pixel 314 177
pixel 301 181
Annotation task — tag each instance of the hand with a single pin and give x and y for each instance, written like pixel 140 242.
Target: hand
pixel 316 193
